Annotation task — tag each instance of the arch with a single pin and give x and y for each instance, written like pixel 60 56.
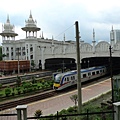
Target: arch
pixel 102 46
pixel 71 49
pixel 86 47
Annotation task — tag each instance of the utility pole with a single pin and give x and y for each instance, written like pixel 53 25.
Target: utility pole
pixel 111 74
pixel 78 69
pixel 18 63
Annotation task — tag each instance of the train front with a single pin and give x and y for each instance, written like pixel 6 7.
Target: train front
pixel 57 80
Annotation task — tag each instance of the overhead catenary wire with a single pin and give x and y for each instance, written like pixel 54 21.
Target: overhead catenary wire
pixel 64 30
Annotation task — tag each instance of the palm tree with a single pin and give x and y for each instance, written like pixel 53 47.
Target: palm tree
pixel 74 98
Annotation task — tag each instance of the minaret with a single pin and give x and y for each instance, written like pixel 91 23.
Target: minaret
pixel 112 40
pixel 53 45
pixel 8 32
pixel 30 27
pixel 64 47
pixel 42 36
pixel 93 42
pixel 52 40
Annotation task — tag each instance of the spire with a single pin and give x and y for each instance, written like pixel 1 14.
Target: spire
pixel 30 14
pixel 52 40
pixel 42 35
pixel 93 35
pixel 8 21
pixel 112 27
pixel 64 37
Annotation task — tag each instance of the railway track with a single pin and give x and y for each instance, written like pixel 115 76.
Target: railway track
pixel 11 79
pixel 40 96
pixel 27 100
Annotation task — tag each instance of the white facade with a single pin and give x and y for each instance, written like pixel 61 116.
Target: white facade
pixel 37 48
pixel 115 34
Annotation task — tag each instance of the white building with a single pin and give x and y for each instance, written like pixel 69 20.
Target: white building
pixel 39 49
pixel 115 34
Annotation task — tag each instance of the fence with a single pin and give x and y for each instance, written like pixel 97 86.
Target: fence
pixel 22 114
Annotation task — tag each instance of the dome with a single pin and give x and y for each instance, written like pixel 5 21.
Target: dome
pixel 7 26
pixel 30 22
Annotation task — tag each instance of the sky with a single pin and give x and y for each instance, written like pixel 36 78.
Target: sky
pixel 57 17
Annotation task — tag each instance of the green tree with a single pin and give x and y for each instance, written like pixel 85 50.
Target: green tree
pixel 2 56
pixel 33 64
pixel 74 98
pixel 0 53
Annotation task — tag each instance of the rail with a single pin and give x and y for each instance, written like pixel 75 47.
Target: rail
pixel 11 79
pixel 27 100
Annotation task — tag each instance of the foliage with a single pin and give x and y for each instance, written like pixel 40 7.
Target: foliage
pixel 33 64
pixel 18 81
pixel 26 87
pixel 33 80
pixel 7 91
pixel 74 98
pixel 0 85
pixel 38 113
pixel 18 90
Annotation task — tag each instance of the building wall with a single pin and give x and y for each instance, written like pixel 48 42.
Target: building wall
pixel 38 49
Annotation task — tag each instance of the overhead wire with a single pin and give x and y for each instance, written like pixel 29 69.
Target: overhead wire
pixel 64 30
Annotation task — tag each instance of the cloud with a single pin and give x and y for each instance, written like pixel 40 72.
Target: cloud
pixel 54 17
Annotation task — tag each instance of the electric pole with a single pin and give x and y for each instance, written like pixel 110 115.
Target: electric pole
pixel 18 63
pixel 78 69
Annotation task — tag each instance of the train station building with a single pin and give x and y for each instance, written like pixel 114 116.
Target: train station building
pixel 51 53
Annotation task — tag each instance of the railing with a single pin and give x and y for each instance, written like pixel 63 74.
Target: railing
pixel 22 115
pixel 85 116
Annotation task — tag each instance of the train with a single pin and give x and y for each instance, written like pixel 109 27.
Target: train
pixel 67 79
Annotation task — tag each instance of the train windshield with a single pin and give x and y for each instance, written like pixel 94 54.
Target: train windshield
pixel 57 78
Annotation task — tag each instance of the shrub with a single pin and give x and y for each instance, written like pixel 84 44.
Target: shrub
pixel 38 113
pixel 7 91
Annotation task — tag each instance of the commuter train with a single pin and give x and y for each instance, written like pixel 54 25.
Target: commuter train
pixel 64 80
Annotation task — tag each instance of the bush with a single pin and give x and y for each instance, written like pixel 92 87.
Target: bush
pixel 7 91
pixel 38 113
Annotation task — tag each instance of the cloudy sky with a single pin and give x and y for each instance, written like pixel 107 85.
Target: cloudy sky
pixel 57 17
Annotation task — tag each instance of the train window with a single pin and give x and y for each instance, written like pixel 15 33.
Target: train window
pixel 73 77
pixel 97 72
pixel 103 71
pixel 93 73
pixel 84 75
pixel 100 70
pixel 67 79
pixel 89 74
